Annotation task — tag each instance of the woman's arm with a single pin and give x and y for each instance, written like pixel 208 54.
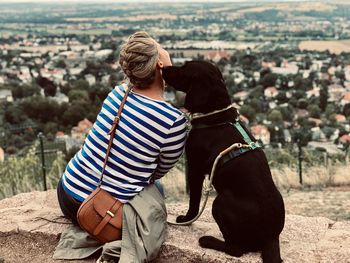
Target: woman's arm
pixel 172 147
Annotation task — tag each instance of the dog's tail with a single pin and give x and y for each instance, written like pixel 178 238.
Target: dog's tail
pixel 271 251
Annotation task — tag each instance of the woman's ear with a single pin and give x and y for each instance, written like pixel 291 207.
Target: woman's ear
pixel 160 64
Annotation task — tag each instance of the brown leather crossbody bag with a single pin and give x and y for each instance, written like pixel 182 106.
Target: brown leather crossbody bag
pixel 101 215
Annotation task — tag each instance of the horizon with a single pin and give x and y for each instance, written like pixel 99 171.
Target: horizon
pixel 152 1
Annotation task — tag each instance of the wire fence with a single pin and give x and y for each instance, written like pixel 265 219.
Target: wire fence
pixel 41 166
pixel 38 168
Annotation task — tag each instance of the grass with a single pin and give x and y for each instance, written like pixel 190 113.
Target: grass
pixel 325 191
pixel 335 46
pixel 287 178
pixel 287 6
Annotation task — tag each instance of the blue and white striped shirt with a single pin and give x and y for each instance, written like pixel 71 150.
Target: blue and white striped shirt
pixel 149 141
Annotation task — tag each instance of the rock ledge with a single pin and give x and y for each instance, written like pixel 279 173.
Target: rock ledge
pixel 28 234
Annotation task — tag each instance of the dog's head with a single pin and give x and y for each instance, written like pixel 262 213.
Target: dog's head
pixel 203 84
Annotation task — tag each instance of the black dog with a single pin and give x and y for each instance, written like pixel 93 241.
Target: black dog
pixel 248 208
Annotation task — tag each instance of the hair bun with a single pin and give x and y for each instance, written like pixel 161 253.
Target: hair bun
pixel 138 59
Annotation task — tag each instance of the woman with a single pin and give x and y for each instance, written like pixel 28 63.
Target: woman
pixel 149 139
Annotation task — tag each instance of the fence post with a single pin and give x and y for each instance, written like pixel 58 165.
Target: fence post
pixel 300 164
pixel 41 136
pixel 325 158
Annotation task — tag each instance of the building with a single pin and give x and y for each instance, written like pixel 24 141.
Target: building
pixel 90 79
pixel 270 92
pixel 6 95
pixel 70 142
pixel 2 155
pixel 217 55
pixel 181 60
pixel 329 147
pixel 345 139
pixel 103 54
pixel 290 69
pixel 81 130
pixel 317 134
pixel 242 95
pixel 316 121
pixel 315 92
pixel 340 118
pixel 260 132
pixel 346 99
pixel 336 92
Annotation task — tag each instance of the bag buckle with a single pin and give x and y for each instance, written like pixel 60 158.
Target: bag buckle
pixel 110 213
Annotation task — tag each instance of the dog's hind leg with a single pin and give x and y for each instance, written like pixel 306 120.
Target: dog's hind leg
pixel 214 243
pixel 271 251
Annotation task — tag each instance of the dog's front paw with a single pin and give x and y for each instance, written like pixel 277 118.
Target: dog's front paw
pixel 217 244
pixel 182 219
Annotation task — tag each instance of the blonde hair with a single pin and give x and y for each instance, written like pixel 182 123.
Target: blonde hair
pixel 138 59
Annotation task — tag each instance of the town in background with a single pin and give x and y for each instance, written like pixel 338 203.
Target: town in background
pixel 286 67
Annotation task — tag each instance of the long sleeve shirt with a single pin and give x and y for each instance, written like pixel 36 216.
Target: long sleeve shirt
pixel 149 140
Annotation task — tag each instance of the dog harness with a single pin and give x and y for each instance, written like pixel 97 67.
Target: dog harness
pixel 223 157
pixel 235 152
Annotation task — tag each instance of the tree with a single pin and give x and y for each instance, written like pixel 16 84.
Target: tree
pixel 78 95
pixel 330 110
pixel 314 111
pixel 281 97
pixel 98 91
pixel 75 113
pixel 61 64
pixel 51 128
pixel 256 104
pixel 302 103
pixel 287 113
pixel 81 84
pixel 65 89
pixel 275 117
pixel 257 92
pixel 303 122
pixel 323 97
pixel 19 92
pixel 40 108
pixel 298 94
pixel 14 115
pixel 269 80
pixel 48 86
pixel 340 75
pixel 30 90
pixel 302 84
pixel 248 112
pixel 346 110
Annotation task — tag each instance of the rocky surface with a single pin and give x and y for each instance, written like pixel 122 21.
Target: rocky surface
pixel 30 225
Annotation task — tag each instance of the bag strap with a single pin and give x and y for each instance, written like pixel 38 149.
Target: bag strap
pixel 112 132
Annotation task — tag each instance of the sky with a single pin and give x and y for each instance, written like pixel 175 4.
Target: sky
pixel 115 1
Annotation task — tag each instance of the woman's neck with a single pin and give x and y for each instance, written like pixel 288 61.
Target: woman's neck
pixel 150 92
pixel 154 91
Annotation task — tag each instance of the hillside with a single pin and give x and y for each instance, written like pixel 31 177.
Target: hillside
pixel 27 235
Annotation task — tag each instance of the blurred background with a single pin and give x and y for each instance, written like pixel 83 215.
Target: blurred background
pixel 286 66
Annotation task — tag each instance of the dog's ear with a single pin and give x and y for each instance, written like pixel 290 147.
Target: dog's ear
pixel 197 95
pixel 176 77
